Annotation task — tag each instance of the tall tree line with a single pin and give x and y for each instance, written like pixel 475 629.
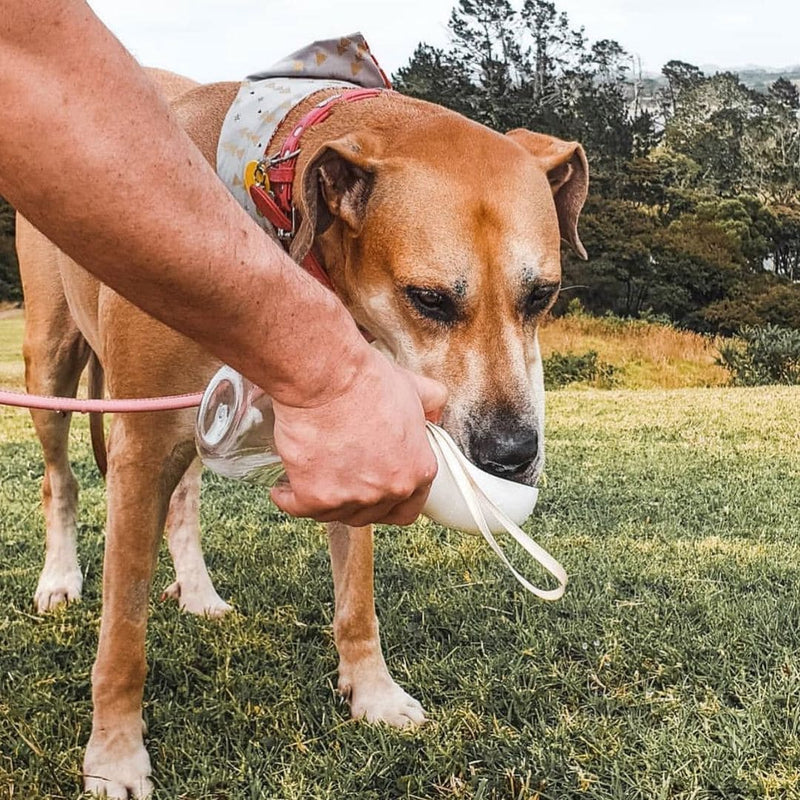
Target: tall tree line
pixel 694 210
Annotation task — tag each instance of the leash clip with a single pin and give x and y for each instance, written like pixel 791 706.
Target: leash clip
pixel 273 161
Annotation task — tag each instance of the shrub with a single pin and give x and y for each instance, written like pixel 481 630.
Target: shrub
pixel 561 369
pixel 764 355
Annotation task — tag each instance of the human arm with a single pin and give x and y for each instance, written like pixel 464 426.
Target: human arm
pixel 91 155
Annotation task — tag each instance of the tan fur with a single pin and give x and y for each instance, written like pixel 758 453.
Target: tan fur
pixel 452 206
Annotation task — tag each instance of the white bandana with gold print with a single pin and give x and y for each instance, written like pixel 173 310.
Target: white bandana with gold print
pixel 264 99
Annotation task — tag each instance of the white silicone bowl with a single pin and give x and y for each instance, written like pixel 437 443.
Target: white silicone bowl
pixel 446 504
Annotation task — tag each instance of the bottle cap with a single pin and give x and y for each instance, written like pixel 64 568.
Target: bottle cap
pixel 215 417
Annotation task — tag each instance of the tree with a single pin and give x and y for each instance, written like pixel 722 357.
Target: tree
pixel 712 126
pixel 620 276
pixel 485 36
pixel 785 241
pixel 772 163
pixel 761 300
pixel 438 77
pixel 785 93
pixel 10 287
pixel 553 46
pixel 681 77
pixel 596 107
pixel 700 261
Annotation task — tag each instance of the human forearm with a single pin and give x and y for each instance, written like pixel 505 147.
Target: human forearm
pixel 203 264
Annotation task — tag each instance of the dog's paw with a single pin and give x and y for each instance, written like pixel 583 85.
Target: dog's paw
pixel 121 770
pixel 380 699
pixel 58 583
pixel 200 600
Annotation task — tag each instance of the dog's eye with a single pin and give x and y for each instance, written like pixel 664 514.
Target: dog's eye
pixel 432 304
pixel 539 298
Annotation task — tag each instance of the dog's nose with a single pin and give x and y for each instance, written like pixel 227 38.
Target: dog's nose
pixel 506 451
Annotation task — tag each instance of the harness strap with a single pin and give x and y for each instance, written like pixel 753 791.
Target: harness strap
pixel 269 208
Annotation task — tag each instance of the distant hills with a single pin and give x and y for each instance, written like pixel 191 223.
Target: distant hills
pixel 751 75
pixel 760 78
pixel 649 86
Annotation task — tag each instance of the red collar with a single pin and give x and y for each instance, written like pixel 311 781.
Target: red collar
pixel 273 193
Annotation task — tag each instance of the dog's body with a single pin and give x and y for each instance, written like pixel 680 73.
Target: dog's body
pixel 442 239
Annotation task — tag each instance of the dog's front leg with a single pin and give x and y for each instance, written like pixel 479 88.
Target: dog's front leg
pixel 116 762
pixel 364 679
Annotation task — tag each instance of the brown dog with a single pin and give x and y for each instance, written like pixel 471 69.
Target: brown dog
pixel 440 236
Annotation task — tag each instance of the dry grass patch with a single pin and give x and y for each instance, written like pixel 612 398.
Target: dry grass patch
pixel 12 367
pixel 647 355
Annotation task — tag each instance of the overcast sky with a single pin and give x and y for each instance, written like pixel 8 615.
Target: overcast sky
pixel 212 40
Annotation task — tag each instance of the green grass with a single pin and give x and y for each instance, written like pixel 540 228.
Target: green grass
pixel 12 369
pixel 668 670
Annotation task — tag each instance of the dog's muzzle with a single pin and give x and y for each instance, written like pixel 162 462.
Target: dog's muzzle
pixel 506 449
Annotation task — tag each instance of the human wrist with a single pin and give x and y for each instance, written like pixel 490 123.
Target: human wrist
pixel 325 359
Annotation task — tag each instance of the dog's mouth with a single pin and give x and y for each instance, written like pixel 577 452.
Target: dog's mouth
pixel 527 476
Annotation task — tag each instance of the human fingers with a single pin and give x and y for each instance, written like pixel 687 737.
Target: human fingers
pixel 408 511
pixel 392 512
pixel 387 512
pixel 432 395
pixel 353 514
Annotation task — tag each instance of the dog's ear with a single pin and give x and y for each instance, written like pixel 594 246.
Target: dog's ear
pixel 336 182
pixel 568 172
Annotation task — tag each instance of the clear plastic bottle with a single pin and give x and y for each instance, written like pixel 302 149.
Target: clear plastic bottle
pixel 235 430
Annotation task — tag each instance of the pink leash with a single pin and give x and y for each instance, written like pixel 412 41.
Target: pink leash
pixel 170 403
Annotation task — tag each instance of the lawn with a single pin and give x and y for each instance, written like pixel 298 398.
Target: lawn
pixel 668 670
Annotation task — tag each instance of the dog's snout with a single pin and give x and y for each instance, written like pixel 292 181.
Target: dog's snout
pixel 507 451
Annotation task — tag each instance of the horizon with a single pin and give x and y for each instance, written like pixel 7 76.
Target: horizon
pixel 211 41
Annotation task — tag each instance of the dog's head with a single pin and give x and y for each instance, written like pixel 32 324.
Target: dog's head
pixel 444 242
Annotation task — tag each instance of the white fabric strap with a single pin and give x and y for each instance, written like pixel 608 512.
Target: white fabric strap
pixel 475 500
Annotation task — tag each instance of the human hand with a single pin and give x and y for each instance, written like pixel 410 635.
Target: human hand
pixel 361 456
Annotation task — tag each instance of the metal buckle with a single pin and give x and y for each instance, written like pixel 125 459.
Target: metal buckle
pixel 262 179
pixel 285 235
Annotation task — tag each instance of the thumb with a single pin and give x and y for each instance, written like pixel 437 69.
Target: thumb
pixel 432 395
pixel 283 497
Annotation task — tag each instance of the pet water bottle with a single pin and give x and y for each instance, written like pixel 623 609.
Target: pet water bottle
pixel 235 438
